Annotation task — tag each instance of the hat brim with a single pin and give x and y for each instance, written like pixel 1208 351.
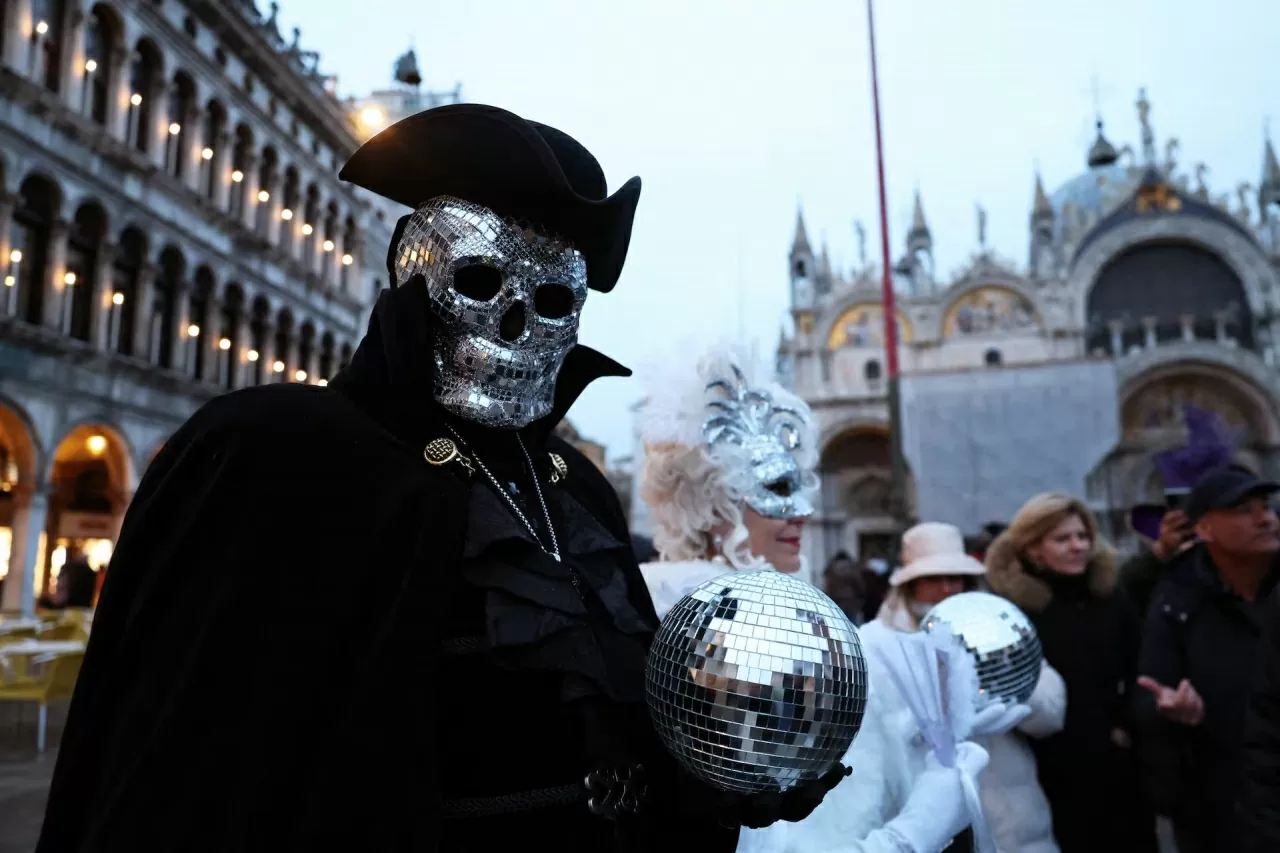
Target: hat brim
pixel 1237 496
pixel 494 158
pixel 937 565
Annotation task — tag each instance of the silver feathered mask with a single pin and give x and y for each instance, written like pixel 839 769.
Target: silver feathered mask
pixel 747 421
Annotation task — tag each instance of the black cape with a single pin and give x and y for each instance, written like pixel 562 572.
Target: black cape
pixel 245 686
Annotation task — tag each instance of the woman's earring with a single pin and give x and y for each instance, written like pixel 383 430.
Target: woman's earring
pixel 717 542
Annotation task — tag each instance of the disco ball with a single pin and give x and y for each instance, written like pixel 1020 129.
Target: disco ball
pixel 756 681
pixel 1001 638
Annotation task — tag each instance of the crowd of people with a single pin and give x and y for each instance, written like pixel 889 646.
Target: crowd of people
pixel 448 651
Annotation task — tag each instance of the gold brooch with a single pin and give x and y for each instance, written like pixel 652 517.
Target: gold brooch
pixel 442 451
pixel 560 470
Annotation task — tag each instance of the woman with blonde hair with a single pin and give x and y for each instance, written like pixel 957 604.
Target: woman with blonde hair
pixel 1053 564
pixel 728 469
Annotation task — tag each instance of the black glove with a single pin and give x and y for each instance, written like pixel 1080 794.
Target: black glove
pixel 756 811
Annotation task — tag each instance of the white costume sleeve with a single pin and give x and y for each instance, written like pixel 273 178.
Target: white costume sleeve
pixel 670 582
pixel 1048 705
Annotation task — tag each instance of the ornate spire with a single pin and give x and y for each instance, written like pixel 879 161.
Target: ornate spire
pixel 800 243
pixel 1101 153
pixel 1040 207
pixel 1148 135
pixel 919 237
pixel 1269 186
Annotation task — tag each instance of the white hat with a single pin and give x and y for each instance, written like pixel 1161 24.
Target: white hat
pixel 932 549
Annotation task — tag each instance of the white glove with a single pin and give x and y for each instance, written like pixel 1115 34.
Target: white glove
pixel 936 811
pixel 998 718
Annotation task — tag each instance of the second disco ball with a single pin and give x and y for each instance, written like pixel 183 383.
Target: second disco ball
pixel 1001 638
pixel 756 681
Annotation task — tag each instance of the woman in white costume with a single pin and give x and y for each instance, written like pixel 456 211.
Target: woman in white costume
pixel 728 466
pixel 934 568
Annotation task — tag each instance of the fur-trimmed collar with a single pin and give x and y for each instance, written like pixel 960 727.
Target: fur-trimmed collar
pixel 1008 577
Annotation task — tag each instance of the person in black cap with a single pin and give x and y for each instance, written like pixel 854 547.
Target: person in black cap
pixel 396 613
pixel 1199 648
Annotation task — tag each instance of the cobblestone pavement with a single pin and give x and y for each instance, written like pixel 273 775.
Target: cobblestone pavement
pixel 24 776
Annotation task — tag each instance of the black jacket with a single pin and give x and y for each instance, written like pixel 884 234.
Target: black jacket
pixel 1089 634
pixel 265 670
pixel 1199 630
pixel 1259 799
pixel 1139 577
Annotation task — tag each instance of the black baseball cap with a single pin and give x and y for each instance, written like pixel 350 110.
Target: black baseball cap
pixel 1225 488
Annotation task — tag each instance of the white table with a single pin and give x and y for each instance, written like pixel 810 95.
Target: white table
pixel 8 626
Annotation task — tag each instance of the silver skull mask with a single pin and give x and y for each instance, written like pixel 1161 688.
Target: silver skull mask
pixel 507 301
pixel 747 422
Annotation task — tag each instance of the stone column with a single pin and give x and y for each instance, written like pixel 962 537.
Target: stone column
pixel 29 519
pixel 55 289
pixel 71 56
pixel 238 358
pixel 312 364
pixel 14 40
pixel 192 164
pixel 100 302
pixel 8 204
pixel 1220 326
pixel 1117 337
pixel 160 122
pixel 1149 340
pixel 210 334
pixel 266 356
pixel 182 356
pixel 142 307
pixel 291 358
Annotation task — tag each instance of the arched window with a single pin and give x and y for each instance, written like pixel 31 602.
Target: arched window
pixel 241 156
pixel 349 248
pixel 84 242
pixel 229 344
pixel 330 244
pixel 182 95
pixel 201 328
pixel 215 123
pixel 993 358
pixel 101 35
pixel 29 246
pixel 144 82
pixel 280 347
pixel 345 358
pixel 310 223
pixel 326 358
pixel 289 208
pixel 164 302
pixel 47 37
pixel 306 349
pixel 127 271
pixel 268 174
pixel 259 354
pixel 871 371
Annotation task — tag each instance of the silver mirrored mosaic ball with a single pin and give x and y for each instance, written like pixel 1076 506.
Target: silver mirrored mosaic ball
pixel 756 681
pixel 1001 638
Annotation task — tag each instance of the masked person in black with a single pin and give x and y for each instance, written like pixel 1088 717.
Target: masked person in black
pixel 395 613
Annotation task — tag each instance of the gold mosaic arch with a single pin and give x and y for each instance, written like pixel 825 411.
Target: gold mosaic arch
pixel 862 325
pixel 1158 405
pixel 990 310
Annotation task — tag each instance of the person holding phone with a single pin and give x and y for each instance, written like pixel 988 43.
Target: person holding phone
pixel 1141 574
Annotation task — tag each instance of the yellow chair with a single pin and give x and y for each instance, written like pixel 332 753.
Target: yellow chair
pixel 54 683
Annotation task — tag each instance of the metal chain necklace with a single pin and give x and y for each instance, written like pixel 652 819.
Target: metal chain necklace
pixel 554 550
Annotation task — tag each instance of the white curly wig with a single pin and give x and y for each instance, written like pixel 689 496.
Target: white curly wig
pixel 691 488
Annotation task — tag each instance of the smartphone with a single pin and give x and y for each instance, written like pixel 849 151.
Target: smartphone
pixel 1175 498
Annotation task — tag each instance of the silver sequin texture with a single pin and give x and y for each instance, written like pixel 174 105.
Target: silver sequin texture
pixel 1001 638
pixel 479 375
pixel 769 435
pixel 756 681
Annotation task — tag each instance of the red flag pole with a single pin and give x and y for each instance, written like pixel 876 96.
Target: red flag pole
pixel 898 468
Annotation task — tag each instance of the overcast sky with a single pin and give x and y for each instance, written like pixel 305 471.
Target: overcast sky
pixel 735 112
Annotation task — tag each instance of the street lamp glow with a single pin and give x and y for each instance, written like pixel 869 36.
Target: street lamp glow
pixel 193 331
pixel 328 245
pixel 347 260
pixel 322 382
pixel 224 344
pixel 286 214
pixel 135 99
pixel 372 118
pixel 69 279
pixel 90 66
pixel 96 444
pixel 174 128
pixel 42 27
pixel 252 355
pixel 117 298
pixel 206 154
pixel 278 367
pixel 10 281
pixel 264 196
pixel 16 256
pixel 307 229
pixel 300 375
pixel 237 176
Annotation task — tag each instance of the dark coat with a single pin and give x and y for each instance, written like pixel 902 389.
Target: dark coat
pixel 263 671
pixel 1199 630
pixel 1259 799
pixel 1090 636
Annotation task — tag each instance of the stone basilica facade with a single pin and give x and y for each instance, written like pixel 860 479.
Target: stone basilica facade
pixel 1161 291
pixel 171 227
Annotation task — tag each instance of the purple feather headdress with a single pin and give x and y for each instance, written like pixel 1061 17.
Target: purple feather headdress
pixel 1210 445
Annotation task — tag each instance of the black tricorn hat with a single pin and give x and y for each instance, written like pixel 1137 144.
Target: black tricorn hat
pixel 516 168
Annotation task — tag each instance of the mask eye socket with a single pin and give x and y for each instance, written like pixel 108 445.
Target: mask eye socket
pixel 553 301
pixel 781 488
pixel 477 281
